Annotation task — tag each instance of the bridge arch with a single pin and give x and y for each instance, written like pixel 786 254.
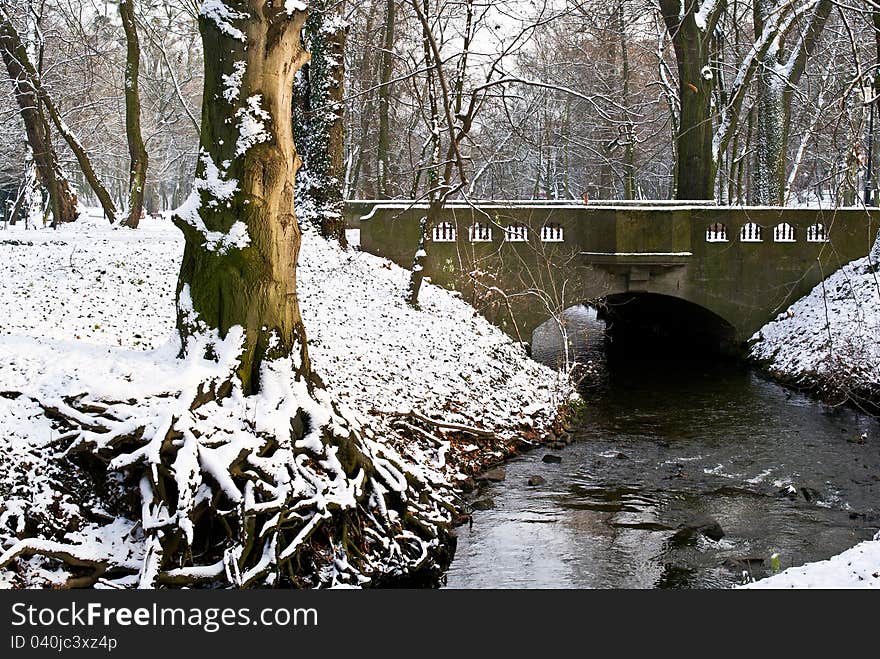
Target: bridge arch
pixel 644 322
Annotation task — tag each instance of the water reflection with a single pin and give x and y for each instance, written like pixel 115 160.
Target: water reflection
pixel 670 443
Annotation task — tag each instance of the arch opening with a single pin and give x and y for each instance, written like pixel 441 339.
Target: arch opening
pixel 577 326
pixel 632 327
pixel 650 324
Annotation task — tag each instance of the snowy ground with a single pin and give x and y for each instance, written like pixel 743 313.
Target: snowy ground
pixel 830 339
pixel 90 307
pixel 858 567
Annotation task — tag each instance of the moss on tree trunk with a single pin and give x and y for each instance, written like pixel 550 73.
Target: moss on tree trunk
pixel 247 141
pixel 319 110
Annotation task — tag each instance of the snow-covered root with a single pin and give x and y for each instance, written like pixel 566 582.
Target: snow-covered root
pixel 277 488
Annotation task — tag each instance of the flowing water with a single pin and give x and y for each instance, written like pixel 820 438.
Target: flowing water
pixel 664 444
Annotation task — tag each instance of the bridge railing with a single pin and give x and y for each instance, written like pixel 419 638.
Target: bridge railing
pixel 359 209
pixel 622 228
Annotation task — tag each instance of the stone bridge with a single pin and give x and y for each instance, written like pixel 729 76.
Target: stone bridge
pixel 696 272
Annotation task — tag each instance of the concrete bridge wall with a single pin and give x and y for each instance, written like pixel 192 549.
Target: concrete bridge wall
pixel 622 253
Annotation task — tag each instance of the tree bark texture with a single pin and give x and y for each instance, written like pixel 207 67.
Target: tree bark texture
pixel 777 78
pixel 386 72
pixel 694 167
pixel 319 112
pixel 245 180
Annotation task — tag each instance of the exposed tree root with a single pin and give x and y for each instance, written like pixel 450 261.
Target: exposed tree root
pixel 276 488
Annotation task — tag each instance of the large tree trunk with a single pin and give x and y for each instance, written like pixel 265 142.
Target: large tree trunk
pixel 779 74
pixel 767 187
pixel 319 112
pixel 387 70
pixel 249 474
pixel 772 118
pixel 15 46
pixel 242 237
pixel 695 166
pixel 137 177
pixel 62 202
pixel 238 283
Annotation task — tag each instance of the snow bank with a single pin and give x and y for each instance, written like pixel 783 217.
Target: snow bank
pixel 376 352
pixel 89 307
pixel 858 567
pixel 830 339
pixel 90 284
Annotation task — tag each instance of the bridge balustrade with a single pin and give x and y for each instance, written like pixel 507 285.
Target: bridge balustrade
pixel 716 233
pixel 751 232
pixel 481 233
pixel 444 232
pixel 516 233
pixel 817 233
pixel 784 233
pixel 552 233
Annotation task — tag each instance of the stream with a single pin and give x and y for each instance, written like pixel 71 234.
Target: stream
pixel 664 445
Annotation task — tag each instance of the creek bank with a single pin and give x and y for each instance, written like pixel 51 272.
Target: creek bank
pixel 828 342
pixel 828 345
pixel 438 386
pixel 477 469
pixel 833 387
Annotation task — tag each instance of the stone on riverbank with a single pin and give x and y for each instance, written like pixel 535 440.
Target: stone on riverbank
pixel 495 475
pixel 483 504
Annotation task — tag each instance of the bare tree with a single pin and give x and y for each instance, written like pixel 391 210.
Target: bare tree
pixel 386 72
pixel 136 149
pixel 62 201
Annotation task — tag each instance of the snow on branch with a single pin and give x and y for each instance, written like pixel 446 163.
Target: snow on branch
pixel 707 13
pixel 778 23
pixel 291 6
